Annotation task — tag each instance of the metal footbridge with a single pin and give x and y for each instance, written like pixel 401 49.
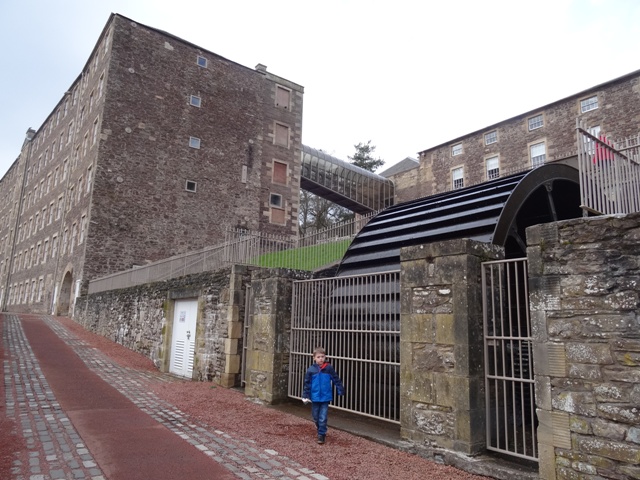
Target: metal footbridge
pixel 352 187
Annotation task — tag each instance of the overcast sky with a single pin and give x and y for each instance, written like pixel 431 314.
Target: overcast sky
pixel 405 74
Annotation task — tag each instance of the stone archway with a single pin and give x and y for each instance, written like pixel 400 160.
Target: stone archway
pixel 65 294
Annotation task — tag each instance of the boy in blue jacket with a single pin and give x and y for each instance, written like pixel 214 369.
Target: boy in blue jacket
pixel 318 390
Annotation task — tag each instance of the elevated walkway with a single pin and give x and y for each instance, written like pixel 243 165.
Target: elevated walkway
pixel 345 184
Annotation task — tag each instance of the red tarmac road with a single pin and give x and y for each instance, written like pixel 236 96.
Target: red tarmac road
pixel 126 443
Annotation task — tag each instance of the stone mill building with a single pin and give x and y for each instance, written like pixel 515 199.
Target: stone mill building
pixel 154 150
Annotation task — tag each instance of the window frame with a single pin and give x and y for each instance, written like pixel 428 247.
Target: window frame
pixel 206 61
pixel 459 168
pixel 195 186
pixel 195 101
pixel 194 142
pixel 492 134
pixel 487 171
pixel 531 157
pixel 457 149
pixel 586 106
pixel 535 125
pixel 276 204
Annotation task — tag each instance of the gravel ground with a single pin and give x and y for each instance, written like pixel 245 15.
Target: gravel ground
pixel 343 457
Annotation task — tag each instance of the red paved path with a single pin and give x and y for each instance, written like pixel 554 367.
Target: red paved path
pixel 126 443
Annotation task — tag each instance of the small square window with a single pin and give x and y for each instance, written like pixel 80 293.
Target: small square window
pixel 195 101
pixel 491 137
pixel 194 142
pixel 457 177
pixel 590 103
pixel 202 62
pixel 190 186
pixel 493 168
pixel 275 200
pixel 535 122
pixel 456 149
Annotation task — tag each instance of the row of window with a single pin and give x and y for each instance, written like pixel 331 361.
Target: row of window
pixel 27 292
pixel 533 123
pixel 537 154
pixel 39 253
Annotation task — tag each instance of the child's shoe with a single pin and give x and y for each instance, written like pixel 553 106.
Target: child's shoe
pixel 321 439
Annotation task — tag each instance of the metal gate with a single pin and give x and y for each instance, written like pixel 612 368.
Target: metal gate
pixel 248 321
pixel 357 320
pixel 509 383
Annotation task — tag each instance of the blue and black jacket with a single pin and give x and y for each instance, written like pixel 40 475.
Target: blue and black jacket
pixel 317 383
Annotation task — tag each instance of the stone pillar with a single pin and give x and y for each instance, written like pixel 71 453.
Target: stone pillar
pixel 267 361
pixel 235 320
pixel 441 341
pixel 584 277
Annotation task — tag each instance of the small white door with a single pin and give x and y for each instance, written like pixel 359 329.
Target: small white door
pixel 183 338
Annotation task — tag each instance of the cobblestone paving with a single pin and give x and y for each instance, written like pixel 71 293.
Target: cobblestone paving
pixel 34 406
pixel 55 449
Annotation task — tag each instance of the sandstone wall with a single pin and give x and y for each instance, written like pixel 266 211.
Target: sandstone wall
pixel 585 303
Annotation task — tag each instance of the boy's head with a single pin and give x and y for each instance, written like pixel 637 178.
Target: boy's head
pixel 319 355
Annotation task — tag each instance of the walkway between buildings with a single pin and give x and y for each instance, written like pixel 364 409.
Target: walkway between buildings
pixel 85 417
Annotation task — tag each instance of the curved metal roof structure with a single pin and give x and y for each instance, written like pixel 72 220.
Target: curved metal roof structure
pixel 497 211
pixel 349 186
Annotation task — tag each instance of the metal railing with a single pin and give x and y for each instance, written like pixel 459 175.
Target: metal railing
pixel 357 320
pixel 509 382
pixel 245 247
pixel 609 173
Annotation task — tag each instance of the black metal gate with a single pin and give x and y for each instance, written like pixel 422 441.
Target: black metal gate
pixel 509 382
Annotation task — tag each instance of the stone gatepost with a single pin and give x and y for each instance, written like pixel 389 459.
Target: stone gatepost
pixel 584 277
pixel 441 345
pixel 267 361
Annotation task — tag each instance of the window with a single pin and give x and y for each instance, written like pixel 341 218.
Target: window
pixel 70 133
pixel 195 101
pixel 44 218
pixel 535 122
pixel 590 103
pixel 83 226
pixel 65 168
pixel 61 142
pixel 56 176
pixel 48 183
pixel 74 232
pixel 59 211
pixel 90 102
pixel 190 186
pixel 45 252
pixel 202 62
pixel 88 179
pixel 493 168
pixel 66 107
pixel 51 210
pixel 54 246
pixel 79 193
pixel 456 149
pixel 457 177
pixel 100 85
pixel 275 200
pixel 53 150
pixel 194 142
pixel 538 154
pixel 491 137
pixel 71 197
pixel 283 97
pixel 38 253
pixel 40 289
pixel 282 135
pixel 279 173
pixel 94 133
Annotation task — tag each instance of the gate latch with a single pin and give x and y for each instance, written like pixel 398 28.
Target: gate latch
pixel 188 334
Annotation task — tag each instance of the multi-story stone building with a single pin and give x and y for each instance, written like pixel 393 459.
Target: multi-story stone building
pixel 546 134
pixel 156 147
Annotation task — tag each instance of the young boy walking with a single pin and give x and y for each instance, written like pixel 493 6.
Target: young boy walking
pixel 318 390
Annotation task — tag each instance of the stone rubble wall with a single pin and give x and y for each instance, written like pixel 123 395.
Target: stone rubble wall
pixel 140 319
pixel 584 279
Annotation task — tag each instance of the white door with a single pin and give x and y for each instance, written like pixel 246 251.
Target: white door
pixel 183 338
